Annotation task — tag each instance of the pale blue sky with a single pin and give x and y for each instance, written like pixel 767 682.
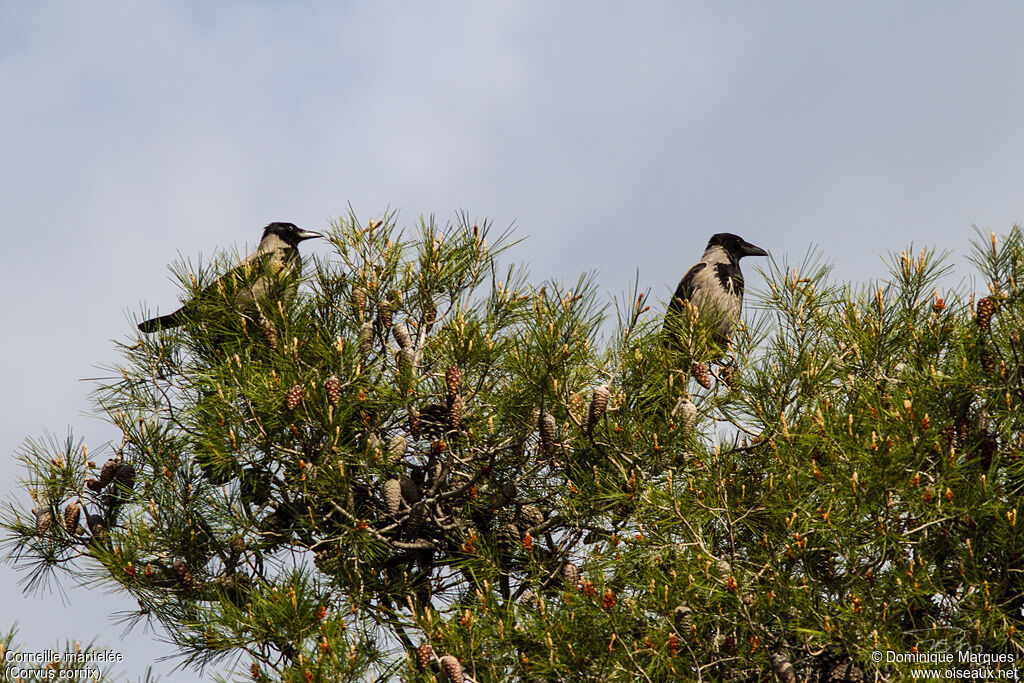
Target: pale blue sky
pixel 616 136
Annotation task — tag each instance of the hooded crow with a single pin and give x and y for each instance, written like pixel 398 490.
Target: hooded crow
pixel 713 288
pixel 251 282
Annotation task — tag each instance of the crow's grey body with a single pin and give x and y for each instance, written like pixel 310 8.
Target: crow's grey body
pixel 253 281
pixel 713 288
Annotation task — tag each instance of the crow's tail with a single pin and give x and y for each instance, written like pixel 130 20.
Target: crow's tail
pixel 161 323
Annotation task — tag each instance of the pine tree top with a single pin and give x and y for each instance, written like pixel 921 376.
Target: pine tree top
pixel 421 460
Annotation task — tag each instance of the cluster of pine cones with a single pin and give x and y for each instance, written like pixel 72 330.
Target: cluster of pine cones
pixel 105 493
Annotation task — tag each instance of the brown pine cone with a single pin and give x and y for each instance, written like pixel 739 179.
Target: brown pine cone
pixel 125 475
pixel 365 339
pixel 184 574
pixel 269 333
pixel 402 336
pixel 687 412
pixel 429 314
pixel 530 516
pixel 294 396
pixel 95 523
pixel 106 474
pixel 598 404
pixel 358 302
pixel 571 574
pixel 701 373
pixel 332 387
pixel 452 669
pixel 453 380
pixel 392 495
pixel 455 410
pixel 423 656
pixel 547 427
pixel 71 515
pixel 44 520
pixel 385 315
pixel 600 401
pixel 682 616
pixel 986 307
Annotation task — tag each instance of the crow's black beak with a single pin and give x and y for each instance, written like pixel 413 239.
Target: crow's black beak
pixel 750 250
pixel 306 234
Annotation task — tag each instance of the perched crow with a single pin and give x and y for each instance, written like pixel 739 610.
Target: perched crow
pixel 252 281
pixel 714 287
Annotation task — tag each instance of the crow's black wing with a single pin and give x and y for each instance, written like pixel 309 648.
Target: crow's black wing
pixel 684 291
pixel 238 278
pixel 233 285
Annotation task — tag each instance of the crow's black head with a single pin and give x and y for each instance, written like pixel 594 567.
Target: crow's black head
pixel 735 246
pixel 289 232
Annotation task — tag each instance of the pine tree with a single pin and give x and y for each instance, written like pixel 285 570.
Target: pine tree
pixel 397 473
